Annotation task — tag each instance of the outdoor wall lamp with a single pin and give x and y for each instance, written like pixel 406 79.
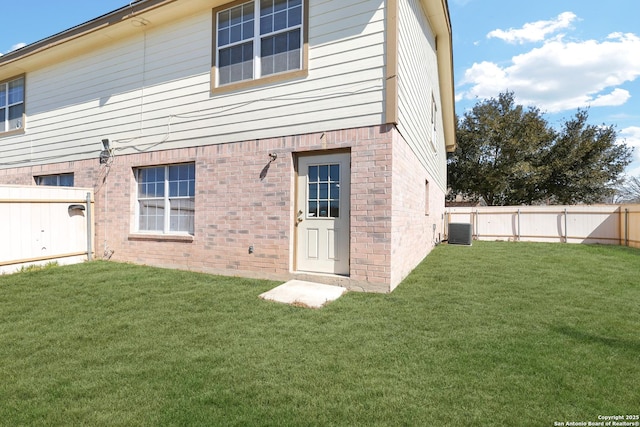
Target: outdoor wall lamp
pixel 273 156
pixel 105 154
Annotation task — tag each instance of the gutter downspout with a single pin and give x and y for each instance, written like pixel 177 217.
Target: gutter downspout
pixel 89 229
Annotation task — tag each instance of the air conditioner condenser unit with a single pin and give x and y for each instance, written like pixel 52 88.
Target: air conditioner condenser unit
pixel 459 233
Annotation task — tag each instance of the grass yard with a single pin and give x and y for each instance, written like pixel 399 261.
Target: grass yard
pixel 493 334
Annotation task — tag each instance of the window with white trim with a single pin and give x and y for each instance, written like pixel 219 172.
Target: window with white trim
pixel 59 180
pixel 434 122
pixel 258 38
pixel 11 105
pixel 166 198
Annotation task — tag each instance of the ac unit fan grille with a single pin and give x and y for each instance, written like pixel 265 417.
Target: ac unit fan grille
pixel 459 233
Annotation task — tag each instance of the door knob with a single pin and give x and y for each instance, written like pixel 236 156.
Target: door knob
pixel 300 217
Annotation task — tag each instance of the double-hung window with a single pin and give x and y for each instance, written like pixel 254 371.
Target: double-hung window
pixel 11 105
pixel 434 122
pixel 166 198
pixel 258 38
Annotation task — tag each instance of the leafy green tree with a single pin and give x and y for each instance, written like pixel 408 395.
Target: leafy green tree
pixel 500 153
pixel 509 155
pixel 585 162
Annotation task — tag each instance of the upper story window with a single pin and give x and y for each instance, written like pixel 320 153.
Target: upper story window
pixel 434 122
pixel 60 180
pixel 258 38
pixel 12 104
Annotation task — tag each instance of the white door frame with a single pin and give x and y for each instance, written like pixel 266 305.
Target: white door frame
pixel 322 213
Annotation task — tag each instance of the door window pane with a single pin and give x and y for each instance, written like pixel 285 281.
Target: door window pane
pixel 323 194
pixel 313 173
pixel 324 173
pixel 313 191
pixel 334 209
pixel 335 191
pixel 324 191
pixel 313 209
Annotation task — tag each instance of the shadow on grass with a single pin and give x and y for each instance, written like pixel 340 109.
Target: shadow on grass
pixel 589 338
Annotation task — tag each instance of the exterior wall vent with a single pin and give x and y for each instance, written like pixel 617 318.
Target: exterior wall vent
pixel 459 233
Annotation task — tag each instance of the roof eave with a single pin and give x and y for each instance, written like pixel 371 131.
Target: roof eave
pixel 438 14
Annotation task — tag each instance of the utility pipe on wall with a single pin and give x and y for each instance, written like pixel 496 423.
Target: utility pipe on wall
pixel 89 229
pixel 626 226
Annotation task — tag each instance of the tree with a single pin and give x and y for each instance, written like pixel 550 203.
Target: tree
pixel 500 153
pixel 629 190
pixel 585 162
pixel 509 155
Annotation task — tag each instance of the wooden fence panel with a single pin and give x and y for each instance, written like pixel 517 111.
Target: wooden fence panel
pixel 604 224
pixel 43 224
pixel 630 225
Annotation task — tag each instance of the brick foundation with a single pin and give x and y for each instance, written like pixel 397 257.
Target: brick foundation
pixel 242 199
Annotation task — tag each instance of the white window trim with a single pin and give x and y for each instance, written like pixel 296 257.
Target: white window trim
pixel 434 123
pixel 40 178
pixel 167 206
pixel 6 108
pixel 257 45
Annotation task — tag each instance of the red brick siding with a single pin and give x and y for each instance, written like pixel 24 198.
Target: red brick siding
pixel 413 234
pixel 242 199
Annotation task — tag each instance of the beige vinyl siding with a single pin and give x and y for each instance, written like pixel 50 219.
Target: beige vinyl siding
pixel 417 84
pixel 152 91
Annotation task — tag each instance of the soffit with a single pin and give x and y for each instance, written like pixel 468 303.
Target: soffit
pixel 125 22
pixel 438 14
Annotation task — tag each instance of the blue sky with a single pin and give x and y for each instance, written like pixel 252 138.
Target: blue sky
pixel 558 55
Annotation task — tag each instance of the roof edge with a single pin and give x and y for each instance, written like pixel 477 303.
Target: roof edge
pixel 126 12
pixel 438 14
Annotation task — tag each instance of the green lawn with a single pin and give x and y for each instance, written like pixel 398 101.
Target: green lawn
pixel 493 334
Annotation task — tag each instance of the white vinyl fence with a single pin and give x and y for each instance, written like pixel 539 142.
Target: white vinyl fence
pixel 604 224
pixel 44 224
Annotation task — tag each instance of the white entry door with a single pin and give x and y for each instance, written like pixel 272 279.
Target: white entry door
pixel 322 214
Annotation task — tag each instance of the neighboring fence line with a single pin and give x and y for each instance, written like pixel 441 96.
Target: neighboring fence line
pixel 45 224
pixel 604 224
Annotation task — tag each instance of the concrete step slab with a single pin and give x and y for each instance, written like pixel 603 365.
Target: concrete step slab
pixel 304 294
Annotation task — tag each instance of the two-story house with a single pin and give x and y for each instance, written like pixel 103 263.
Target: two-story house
pixel 261 138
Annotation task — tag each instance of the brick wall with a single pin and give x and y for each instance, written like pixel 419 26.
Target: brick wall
pixel 371 209
pixel 242 200
pixel 417 212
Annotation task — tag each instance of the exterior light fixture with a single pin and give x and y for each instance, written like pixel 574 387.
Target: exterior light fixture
pixel 105 153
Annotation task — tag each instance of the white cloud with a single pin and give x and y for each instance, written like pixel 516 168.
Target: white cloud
pixel 534 31
pixel 616 97
pixel 561 75
pixel 14 47
pixel 17 46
